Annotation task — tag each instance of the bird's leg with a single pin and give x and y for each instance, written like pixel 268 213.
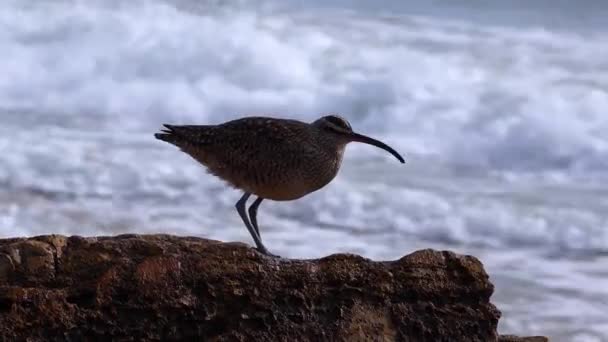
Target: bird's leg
pixel 240 207
pixel 253 213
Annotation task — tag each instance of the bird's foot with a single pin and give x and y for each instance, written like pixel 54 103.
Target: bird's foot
pixel 267 253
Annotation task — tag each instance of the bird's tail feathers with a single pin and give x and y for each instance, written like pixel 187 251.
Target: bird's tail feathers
pixel 185 134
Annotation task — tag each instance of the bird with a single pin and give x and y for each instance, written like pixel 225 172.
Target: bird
pixel 279 159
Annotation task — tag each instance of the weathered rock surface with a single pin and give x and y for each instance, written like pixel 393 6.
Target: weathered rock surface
pixel 159 287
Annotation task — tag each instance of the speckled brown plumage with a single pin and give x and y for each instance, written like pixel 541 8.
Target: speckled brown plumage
pixel 276 159
pixel 273 158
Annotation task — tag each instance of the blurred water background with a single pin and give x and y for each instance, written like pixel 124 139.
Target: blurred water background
pixel 500 108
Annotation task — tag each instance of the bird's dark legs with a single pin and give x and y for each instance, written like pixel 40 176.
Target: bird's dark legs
pixel 240 207
pixel 253 213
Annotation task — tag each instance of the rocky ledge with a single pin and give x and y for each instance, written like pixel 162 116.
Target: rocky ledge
pixel 160 287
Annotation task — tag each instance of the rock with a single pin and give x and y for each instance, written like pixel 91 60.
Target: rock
pixel 31 260
pixel 513 338
pixel 6 267
pixel 161 287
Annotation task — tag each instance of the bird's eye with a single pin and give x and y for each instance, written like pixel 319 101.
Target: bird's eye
pixel 338 121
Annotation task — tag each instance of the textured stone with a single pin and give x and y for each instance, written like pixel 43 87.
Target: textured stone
pixel 513 338
pixel 6 267
pixel 160 287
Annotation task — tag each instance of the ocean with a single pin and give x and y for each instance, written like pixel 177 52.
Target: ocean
pixel 500 110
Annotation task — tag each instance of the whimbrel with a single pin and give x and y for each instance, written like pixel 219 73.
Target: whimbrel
pixel 273 158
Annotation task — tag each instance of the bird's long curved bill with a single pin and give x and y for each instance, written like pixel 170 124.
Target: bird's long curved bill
pixel 371 141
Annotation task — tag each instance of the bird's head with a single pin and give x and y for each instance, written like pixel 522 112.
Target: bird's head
pixel 339 128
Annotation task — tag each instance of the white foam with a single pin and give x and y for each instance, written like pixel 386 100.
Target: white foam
pixel 448 95
pixel 503 129
pixel 451 90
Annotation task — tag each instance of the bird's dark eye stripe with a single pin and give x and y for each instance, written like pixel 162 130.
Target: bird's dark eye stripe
pixel 337 121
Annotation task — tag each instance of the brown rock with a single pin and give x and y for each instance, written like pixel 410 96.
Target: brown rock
pixel 513 338
pixel 6 267
pixel 32 260
pixel 58 242
pixel 160 287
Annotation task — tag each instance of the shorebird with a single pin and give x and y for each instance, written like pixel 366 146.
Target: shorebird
pixel 274 158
